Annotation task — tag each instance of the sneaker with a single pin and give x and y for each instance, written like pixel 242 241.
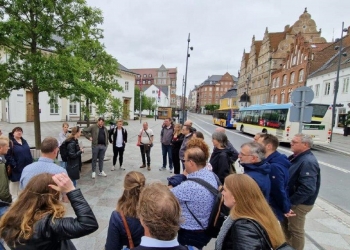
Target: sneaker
pixel 102 174
pixel 162 169
pixel 142 166
pixel 171 171
pixel 113 168
pixel 121 168
pixel 93 175
pixel 149 168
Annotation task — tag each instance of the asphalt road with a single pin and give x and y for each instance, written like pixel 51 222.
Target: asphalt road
pixel 335 167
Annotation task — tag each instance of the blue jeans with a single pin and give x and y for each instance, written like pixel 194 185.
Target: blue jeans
pixel 166 149
pixel 63 164
pixel 2 212
pixel 98 152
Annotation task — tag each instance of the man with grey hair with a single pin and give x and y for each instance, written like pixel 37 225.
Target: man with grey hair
pixel 252 159
pixel 304 185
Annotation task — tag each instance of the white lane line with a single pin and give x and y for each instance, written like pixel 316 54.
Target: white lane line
pixel 279 148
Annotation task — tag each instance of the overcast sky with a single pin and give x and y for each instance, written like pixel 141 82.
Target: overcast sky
pixel 149 33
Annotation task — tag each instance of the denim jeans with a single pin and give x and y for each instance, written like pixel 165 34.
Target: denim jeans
pixel 166 149
pixel 98 152
pixel 63 164
pixel 2 211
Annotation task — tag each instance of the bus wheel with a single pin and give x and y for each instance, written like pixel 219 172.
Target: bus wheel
pixel 242 129
pixel 264 131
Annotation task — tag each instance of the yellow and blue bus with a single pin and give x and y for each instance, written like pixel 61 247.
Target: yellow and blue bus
pixel 225 117
pixel 274 119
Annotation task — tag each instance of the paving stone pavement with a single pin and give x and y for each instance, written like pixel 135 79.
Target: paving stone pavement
pixel 326 226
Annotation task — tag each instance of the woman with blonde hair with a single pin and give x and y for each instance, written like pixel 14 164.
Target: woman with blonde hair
pixel 117 236
pixel 36 219
pixel 176 142
pixel 251 224
pixel 74 155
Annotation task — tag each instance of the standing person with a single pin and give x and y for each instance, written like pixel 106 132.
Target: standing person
pixel 98 135
pixel 279 176
pixel 36 220
pixel 45 164
pixel 252 158
pixel 176 142
pixel 304 185
pixel 160 214
pixel 118 137
pixel 166 136
pixel 62 136
pixel 18 157
pixel 250 217
pixel 5 195
pixel 145 141
pixel 187 132
pixel 220 159
pixel 230 147
pixel 74 155
pixel 117 237
pixel 198 134
pixel 190 124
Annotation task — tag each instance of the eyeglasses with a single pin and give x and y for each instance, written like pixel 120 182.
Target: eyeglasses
pixel 295 142
pixel 242 154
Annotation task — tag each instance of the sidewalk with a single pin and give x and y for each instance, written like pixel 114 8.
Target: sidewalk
pixel 326 226
pixel 339 144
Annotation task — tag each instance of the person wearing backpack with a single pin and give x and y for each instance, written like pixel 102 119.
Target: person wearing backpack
pixel 196 201
pixel 251 225
pixel 74 152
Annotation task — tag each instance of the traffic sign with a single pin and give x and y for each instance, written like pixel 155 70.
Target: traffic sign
pixel 297 95
pixel 295 114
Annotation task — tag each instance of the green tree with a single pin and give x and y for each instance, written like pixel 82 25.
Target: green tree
pixel 54 46
pixel 144 103
pixel 115 107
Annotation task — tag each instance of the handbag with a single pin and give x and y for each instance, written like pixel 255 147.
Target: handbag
pixel 262 232
pixel 128 233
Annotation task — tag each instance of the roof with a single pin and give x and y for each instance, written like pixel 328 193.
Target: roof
pixel 267 106
pixel 235 79
pixel 123 68
pixel 231 93
pixel 212 80
pixel 275 38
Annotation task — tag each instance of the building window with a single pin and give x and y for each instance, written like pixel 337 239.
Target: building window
pixel 149 82
pixel 72 105
pixel 284 80
pixel 143 82
pixel 294 60
pixel 282 98
pixel 173 100
pixel 274 83
pixel 138 76
pixel 53 103
pixel 345 85
pixel 159 81
pixel 159 74
pixel 173 83
pixel 301 75
pixel 173 91
pixel 153 91
pixel 126 88
pixel 317 89
pixel 137 82
pixel 327 87
pixel 164 73
pixel 278 82
pixel 272 99
pixel 210 89
pixel 150 75
pixel 292 76
pixel 216 88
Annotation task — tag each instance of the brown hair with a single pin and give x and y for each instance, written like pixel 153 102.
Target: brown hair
pixel 270 139
pixel 49 145
pixel 178 125
pixel 74 131
pixel 199 143
pixel 251 203
pixel 36 201
pixel 17 129
pixel 196 155
pixel 4 140
pixel 199 134
pixel 159 210
pixel 134 182
pixel 65 124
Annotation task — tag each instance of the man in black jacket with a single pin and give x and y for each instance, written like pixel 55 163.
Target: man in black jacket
pixel 118 136
pixel 304 185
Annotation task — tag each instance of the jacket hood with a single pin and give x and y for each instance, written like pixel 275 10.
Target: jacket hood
pixel 262 167
pixel 279 158
pixel 217 151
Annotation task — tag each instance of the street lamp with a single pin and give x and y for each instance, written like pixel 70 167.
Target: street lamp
pixel 246 97
pixel 336 85
pixel 140 114
pixel 184 94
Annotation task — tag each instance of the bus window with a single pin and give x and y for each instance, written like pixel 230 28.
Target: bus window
pixel 319 110
pixel 256 117
pixel 265 117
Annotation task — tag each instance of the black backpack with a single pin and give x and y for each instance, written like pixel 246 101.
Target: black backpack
pixel 64 151
pixel 219 211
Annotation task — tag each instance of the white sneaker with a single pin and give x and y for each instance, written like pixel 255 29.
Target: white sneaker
pixel 113 168
pixel 102 174
pixel 93 175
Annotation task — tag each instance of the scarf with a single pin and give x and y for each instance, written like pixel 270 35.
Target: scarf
pixel 226 226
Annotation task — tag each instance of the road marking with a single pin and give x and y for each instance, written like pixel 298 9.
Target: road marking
pixel 281 149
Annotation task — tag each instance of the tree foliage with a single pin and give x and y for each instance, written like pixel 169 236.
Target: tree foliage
pixel 212 107
pixel 54 46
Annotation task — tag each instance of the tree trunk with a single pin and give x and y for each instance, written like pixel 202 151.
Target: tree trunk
pixel 37 129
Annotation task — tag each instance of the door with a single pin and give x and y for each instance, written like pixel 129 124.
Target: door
pixel 30 106
pixel 126 109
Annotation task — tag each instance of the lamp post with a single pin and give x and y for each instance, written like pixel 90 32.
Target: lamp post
pixel 336 84
pixel 184 94
pixel 246 98
pixel 140 112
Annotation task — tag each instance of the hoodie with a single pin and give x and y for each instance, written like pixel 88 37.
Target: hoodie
pixel 260 173
pixel 221 162
pixel 279 176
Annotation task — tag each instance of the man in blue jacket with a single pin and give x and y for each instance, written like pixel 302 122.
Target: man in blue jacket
pixel 252 158
pixel 279 176
pixel 304 185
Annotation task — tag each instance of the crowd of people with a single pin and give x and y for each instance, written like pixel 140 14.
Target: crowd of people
pixel 267 204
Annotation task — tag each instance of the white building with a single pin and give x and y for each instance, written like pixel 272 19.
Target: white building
pixel 160 97
pixel 322 82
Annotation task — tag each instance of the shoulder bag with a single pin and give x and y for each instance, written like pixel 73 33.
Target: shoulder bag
pixel 128 233
pixel 262 232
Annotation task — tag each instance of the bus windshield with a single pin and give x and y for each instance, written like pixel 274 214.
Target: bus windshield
pixel 319 110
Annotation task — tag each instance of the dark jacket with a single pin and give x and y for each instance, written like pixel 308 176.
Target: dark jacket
pixel 92 132
pixel 279 177
pixel 221 162
pixel 183 145
pixel 233 151
pixel 73 159
pixel 179 247
pixel 304 178
pixel 166 135
pixel 117 237
pixel 260 173
pixel 50 235
pixel 176 143
pixel 243 235
pixel 18 157
pixel 113 134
